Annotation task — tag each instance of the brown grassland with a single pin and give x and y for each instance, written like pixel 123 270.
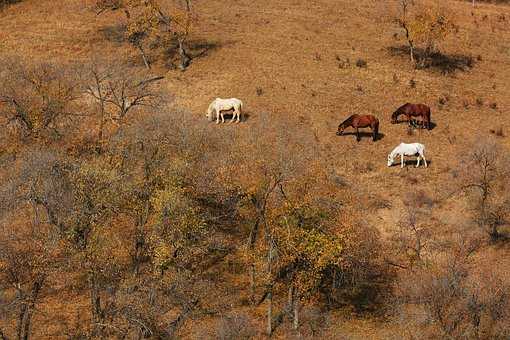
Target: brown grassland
pixel 419 261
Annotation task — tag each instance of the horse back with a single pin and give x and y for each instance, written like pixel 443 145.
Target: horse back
pixel 420 148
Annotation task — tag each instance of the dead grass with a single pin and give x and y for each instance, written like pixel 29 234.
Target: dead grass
pixel 293 59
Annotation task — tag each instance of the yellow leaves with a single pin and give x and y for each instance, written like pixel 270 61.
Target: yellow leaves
pixel 183 21
pixel 177 228
pixel 162 253
pixel 430 24
pixel 150 19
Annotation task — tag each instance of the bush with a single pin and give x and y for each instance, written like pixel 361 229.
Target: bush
pixel 361 63
pixel 450 301
pixel 235 326
pixel 38 100
pixel 8 2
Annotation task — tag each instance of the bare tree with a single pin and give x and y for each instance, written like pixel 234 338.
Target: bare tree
pixel 413 236
pixel 404 23
pixel 156 22
pixel 425 24
pixel 117 90
pixel 483 177
pixel 456 301
pixel 38 100
pixel 26 259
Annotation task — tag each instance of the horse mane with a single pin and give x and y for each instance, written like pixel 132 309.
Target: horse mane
pixel 399 110
pixel 210 108
pixel 348 121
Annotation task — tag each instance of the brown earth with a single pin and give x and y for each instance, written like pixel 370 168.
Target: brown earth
pixel 283 59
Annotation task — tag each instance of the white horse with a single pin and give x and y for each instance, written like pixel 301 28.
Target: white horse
pixel 408 150
pixel 219 105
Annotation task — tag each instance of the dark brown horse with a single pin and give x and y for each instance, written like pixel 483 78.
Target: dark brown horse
pixel 360 121
pixel 413 110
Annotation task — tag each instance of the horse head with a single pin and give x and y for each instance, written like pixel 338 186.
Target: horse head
pixel 209 116
pixel 390 159
pixel 209 113
pixel 394 116
pixel 341 129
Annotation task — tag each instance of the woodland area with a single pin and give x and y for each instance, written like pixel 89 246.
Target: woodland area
pixel 124 214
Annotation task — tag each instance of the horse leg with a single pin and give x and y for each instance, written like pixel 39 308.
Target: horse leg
pixel 233 116
pixel 222 117
pixel 424 160
pixel 402 161
pixel 357 135
pixel 217 117
pixel 238 115
pixel 418 161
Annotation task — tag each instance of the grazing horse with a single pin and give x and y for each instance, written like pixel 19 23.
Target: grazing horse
pixel 360 121
pixel 413 110
pixel 219 105
pixel 413 149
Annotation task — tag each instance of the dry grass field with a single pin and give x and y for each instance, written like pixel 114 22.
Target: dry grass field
pixel 296 62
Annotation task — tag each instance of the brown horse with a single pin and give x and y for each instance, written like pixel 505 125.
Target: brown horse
pixel 360 121
pixel 413 110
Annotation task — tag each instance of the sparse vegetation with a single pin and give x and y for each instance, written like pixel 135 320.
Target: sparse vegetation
pixel 484 179
pixel 361 63
pixel 425 26
pixel 155 23
pixel 124 214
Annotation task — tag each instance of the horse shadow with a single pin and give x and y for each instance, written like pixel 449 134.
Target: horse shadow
pixel 363 134
pixel 416 126
pixel 410 162
pixel 245 116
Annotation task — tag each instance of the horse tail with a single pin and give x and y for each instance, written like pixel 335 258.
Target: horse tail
pixel 422 147
pixel 376 129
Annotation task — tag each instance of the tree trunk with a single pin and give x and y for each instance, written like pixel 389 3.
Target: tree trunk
pixel 251 244
pixel 185 58
pixel 270 293
pixel 144 56
pixel 36 212
pixel 290 298
pixel 270 312
pixel 95 303
pixel 181 318
pixel 188 5
pixel 494 233
pixel 101 127
pixel 27 308
pixel 252 282
pixel 138 251
pixel 21 320
pixel 403 23
pixel 293 307
pixel 295 321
